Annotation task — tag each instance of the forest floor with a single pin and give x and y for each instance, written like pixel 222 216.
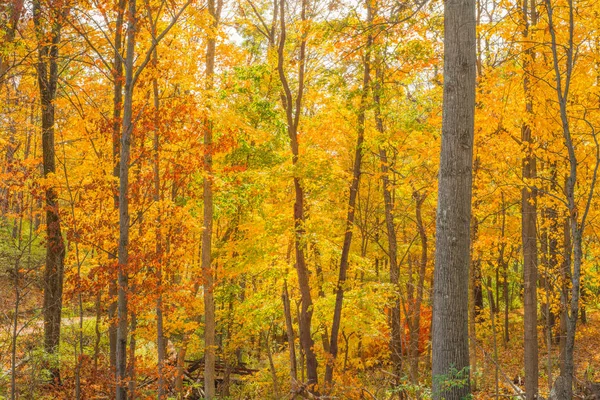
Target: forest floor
pixel 510 357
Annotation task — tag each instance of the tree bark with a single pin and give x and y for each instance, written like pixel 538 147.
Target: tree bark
pixel 577 218
pixel 343 271
pixel 47 75
pixel 415 324
pixel 292 112
pixel 450 345
pixel 161 341
pixel 116 134
pixel 394 271
pixel 207 267
pixel 287 311
pixel 123 250
pixel 528 223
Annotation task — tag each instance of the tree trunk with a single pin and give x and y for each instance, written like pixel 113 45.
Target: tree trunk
pixel 47 74
pixel 180 367
pixel 132 347
pixel 495 343
pixel 475 299
pixel 271 364
pixel 116 134
pixel 577 217
pixel 160 336
pixel 529 232
pixel 287 311
pixel 292 110
pixel 343 271
pixel 415 325
pixel 506 296
pixel 565 276
pixel 207 268
pixel 123 251
pixel 15 332
pixel 396 339
pixel 450 345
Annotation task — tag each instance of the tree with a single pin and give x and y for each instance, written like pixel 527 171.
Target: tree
pixel 450 345
pixel 124 222
pixel 214 10
pixel 44 16
pixel 116 149
pixel 293 108
pixel 358 154
pixel 529 218
pixel 577 201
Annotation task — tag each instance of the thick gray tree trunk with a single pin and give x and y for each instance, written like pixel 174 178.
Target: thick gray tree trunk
pixel 450 336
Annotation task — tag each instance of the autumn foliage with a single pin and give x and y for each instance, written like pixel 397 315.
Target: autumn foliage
pixel 365 81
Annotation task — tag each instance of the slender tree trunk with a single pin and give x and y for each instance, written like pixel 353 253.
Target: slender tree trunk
pixel 15 332
pixel 548 247
pixel 475 300
pixel 181 369
pixel 47 75
pixel 574 306
pixel 160 337
pixel 123 251
pixel 116 135
pixel 565 276
pixel 493 321
pixel 272 365
pixel 132 347
pixel 287 311
pixel 321 293
pixel 396 339
pixel 577 217
pixel 505 294
pixel 548 331
pixel 97 330
pixel 450 333
pixel 207 267
pixel 292 108
pixel 529 231
pixel 343 271
pixel 416 315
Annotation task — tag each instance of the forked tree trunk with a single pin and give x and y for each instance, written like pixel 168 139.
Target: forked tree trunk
pixel 578 214
pixel 292 108
pixel 450 344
